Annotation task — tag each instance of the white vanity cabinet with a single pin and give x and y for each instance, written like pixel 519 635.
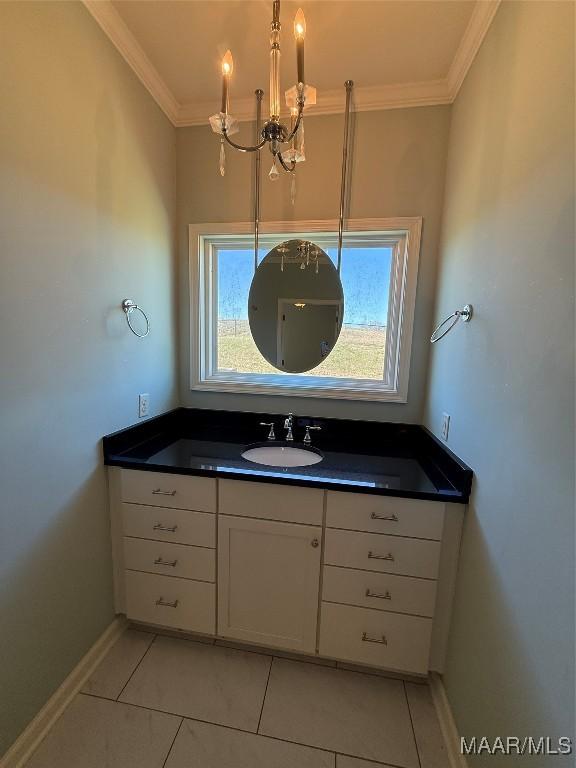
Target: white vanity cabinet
pixel 354 577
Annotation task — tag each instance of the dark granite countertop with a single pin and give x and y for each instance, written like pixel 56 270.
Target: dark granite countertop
pixel 402 460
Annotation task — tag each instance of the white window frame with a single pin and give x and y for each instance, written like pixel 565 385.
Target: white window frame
pixel 404 231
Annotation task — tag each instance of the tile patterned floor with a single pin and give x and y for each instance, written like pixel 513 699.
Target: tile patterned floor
pixel 167 702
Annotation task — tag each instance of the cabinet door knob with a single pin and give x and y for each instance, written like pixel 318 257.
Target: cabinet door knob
pixel 314 543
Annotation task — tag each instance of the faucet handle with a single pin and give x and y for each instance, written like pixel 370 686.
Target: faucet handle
pixel 307 438
pixel 288 421
pixel 271 433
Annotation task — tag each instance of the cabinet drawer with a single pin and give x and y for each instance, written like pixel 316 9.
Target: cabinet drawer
pixel 383 514
pixel 170 602
pixel 271 502
pixel 167 490
pixel 388 554
pixel 170 559
pixel 180 526
pixel 381 591
pixel 375 637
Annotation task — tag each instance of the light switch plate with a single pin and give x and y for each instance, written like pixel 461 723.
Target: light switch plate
pixel 143 405
pixel 445 427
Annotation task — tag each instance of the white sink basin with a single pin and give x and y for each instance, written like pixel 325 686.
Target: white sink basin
pixel 282 456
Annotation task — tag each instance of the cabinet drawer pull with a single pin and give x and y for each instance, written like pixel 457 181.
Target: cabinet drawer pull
pixel 385 596
pixel 171 563
pixel 367 639
pixel 391 518
pixel 389 556
pixel 165 603
pixel 168 528
pixel 159 492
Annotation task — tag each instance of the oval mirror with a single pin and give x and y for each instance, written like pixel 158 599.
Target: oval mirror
pixel 296 306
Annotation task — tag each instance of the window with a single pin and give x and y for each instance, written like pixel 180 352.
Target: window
pixel 371 357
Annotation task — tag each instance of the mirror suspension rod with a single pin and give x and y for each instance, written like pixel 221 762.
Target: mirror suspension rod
pixel 348 85
pixel 259 94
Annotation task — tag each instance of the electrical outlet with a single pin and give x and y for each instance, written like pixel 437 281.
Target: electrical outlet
pixel 143 405
pixel 445 427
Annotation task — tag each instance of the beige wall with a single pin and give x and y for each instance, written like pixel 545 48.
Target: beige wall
pixel 397 170
pixel 507 379
pixel 87 202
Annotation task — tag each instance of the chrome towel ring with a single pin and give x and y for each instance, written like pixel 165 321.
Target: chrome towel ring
pixel 129 306
pixel 464 314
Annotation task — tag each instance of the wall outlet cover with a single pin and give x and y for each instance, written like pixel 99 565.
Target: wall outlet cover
pixel 445 427
pixel 143 405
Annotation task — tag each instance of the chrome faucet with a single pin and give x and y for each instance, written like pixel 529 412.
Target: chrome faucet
pixel 288 422
pixel 307 437
pixel 271 435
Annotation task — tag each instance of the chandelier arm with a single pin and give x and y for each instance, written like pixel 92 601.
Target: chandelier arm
pixel 254 148
pixel 297 123
pixel 290 168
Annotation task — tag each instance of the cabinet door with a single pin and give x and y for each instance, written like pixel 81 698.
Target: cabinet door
pixel 268 582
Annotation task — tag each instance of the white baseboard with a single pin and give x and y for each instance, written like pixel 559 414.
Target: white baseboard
pixel 447 722
pixel 37 729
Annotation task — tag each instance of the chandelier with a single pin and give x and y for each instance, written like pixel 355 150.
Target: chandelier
pixel 285 143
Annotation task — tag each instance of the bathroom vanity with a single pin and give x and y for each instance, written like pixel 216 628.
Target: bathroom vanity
pixel 353 558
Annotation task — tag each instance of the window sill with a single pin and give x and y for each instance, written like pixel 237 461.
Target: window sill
pixel 291 386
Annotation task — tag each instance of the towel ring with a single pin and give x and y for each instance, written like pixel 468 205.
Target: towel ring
pixel 129 306
pixel 464 314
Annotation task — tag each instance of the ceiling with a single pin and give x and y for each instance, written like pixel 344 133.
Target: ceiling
pixel 398 52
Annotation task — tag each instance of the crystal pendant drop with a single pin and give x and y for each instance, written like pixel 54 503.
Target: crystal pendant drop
pixel 293 189
pixel 222 158
pixel 273 174
pixel 300 146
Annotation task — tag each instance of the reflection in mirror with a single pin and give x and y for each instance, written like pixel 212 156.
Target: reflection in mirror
pixel 296 306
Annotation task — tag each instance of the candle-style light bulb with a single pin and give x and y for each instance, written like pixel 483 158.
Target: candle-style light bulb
pixel 227 69
pixel 300 34
pixel 299 25
pixel 227 63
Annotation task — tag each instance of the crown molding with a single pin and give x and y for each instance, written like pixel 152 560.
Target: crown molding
pixel 474 34
pixel 365 98
pixel 113 25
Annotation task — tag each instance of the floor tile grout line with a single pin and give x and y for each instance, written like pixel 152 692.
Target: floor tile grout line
pixel 320 661
pixel 173 742
pixel 331 663
pixel 412 725
pixel 265 692
pixel 381 675
pixel 173 634
pixel 367 760
pixel 272 653
pixel 137 666
pixel 99 696
pixel 244 730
